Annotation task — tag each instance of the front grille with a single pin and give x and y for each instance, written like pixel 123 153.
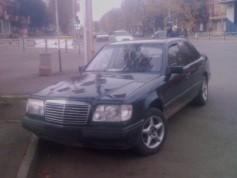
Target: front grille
pixel 66 112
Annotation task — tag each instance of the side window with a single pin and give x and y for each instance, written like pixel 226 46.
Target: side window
pixel 196 53
pixel 188 52
pixel 174 56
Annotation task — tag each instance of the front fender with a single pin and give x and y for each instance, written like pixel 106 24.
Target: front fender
pixel 153 100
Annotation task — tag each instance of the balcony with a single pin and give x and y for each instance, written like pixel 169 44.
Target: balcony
pixel 227 1
pixel 219 17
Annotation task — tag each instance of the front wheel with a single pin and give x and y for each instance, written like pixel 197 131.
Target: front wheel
pixel 153 133
pixel 201 98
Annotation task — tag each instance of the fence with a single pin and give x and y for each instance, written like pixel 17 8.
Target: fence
pixel 44 43
pixel 46 51
pixel 221 36
pixel 72 44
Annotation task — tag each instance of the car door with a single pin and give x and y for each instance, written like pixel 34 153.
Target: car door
pixel 194 66
pixel 174 90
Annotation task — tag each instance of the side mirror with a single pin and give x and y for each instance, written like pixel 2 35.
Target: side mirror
pixel 176 69
pixel 173 70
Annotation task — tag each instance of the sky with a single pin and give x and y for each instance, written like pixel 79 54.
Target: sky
pixel 100 7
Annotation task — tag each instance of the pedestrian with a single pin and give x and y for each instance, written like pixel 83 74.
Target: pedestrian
pixel 175 32
pixel 185 33
pixel 169 31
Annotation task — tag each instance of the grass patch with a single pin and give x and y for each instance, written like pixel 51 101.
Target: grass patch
pixel 7 100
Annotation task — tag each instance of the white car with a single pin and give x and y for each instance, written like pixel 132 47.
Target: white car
pixel 102 36
pixel 159 34
pixel 122 36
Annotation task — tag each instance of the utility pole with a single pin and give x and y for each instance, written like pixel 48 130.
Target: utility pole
pixel 57 33
pixel 56 17
pixel 73 18
pixel 88 31
pixel 169 11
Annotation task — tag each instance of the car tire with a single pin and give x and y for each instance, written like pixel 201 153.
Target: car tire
pixel 202 97
pixel 153 133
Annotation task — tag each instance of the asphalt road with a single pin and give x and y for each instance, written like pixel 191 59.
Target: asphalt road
pixel 201 140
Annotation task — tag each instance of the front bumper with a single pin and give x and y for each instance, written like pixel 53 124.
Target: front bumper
pixel 97 138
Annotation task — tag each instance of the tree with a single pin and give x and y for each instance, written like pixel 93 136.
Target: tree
pixel 152 15
pixel 12 7
pixel 190 13
pixel 34 11
pixel 111 21
pixel 66 19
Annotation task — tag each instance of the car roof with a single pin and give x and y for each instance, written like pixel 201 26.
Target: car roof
pixel 162 41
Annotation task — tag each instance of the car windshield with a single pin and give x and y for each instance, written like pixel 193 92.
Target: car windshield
pixel 121 33
pixel 128 58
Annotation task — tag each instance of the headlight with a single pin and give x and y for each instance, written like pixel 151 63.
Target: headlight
pixel 35 106
pixel 112 113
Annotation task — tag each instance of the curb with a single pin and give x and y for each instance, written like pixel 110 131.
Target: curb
pixel 15 96
pixel 29 161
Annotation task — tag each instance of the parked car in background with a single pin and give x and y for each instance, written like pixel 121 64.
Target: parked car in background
pixel 159 34
pixel 122 36
pixel 102 36
pixel 123 97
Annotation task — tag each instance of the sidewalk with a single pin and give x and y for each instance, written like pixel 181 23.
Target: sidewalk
pixel 18 79
pixel 14 140
pixel 19 71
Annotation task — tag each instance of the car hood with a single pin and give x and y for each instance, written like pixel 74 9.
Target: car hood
pixel 91 86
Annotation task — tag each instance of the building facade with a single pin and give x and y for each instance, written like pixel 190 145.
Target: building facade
pixel 231 14
pixel 217 16
pixel 222 15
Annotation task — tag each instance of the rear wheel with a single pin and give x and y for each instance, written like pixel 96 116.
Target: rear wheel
pixel 201 98
pixel 153 133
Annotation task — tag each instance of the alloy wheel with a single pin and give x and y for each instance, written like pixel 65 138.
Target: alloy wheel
pixel 153 132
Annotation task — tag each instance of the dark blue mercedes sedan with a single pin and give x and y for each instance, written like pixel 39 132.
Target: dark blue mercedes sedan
pixel 123 97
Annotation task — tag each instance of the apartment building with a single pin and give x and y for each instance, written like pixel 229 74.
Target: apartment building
pixel 231 14
pixel 217 16
pixel 222 15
